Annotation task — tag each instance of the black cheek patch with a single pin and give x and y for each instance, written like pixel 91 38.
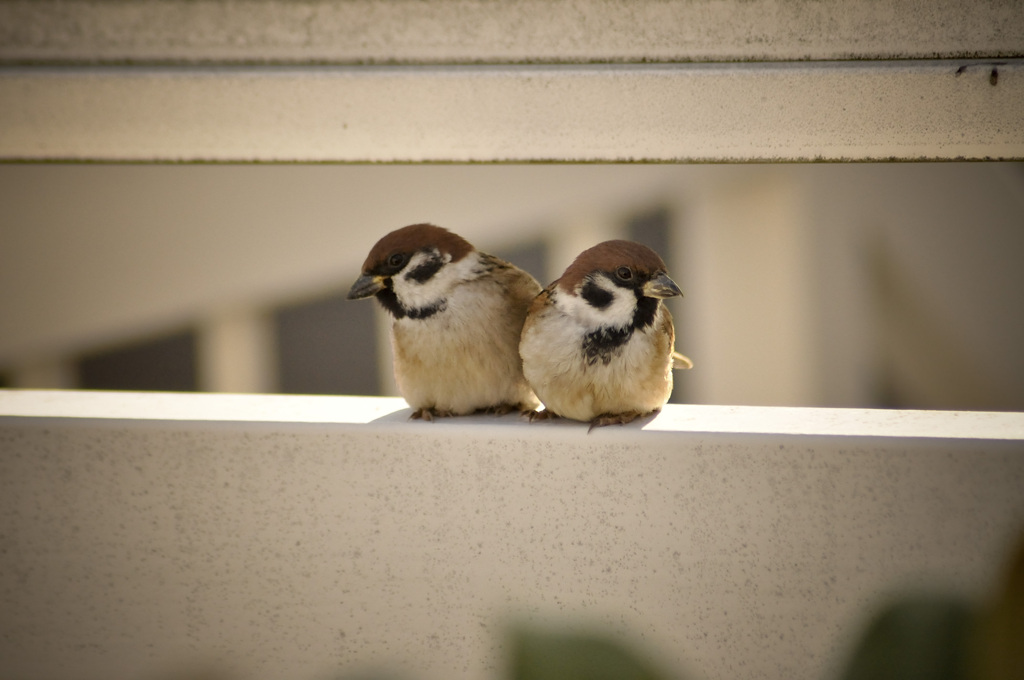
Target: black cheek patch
pixel 426 270
pixel 596 296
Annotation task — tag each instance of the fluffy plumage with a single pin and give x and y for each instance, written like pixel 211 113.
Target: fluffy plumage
pixel 457 314
pixel 597 344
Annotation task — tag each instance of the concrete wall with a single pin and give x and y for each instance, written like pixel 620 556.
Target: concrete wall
pixel 478 31
pixel 590 80
pixel 304 537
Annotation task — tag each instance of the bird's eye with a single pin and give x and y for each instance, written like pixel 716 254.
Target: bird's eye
pixel 624 273
pixel 396 260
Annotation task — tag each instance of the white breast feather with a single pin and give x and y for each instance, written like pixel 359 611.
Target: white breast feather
pixel 637 378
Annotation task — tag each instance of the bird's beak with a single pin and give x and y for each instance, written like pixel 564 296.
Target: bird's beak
pixel 365 286
pixel 661 287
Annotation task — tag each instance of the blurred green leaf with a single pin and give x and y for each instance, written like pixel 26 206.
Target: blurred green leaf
pixel 566 656
pixel 999 643
pixel 923 638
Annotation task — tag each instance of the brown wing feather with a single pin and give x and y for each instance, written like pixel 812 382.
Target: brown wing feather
pixel 541 300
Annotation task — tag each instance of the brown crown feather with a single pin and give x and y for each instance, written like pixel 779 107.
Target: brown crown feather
pixel 609 256
pixel 414 238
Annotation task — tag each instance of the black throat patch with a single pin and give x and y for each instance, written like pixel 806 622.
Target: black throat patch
pixel 646 310
pixel 604 343
pixel 389 301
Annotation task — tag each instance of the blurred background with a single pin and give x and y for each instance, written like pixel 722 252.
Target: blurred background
pixel 850 285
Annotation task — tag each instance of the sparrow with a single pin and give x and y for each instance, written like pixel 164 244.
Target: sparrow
pixel 456 317
pixel 598 344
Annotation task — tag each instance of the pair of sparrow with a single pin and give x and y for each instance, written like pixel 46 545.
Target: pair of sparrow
pixel 471 332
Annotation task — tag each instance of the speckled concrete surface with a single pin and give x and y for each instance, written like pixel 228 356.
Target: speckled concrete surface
pixel 298 550
pixel 683 112
pixel 383 31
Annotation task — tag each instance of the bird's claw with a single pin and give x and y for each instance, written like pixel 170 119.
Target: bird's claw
pixel 534 415
pixel 618 418
pixel 428 414
pixel 499 409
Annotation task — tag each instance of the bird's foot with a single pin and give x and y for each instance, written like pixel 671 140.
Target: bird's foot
pixel 428 414
pixel 534 415
pixel 499 409
pixel 618 418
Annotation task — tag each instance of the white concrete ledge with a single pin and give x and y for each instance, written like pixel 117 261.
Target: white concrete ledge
pixel 925 110
pixel 301 537
pixel 481 31
pixel 389 412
